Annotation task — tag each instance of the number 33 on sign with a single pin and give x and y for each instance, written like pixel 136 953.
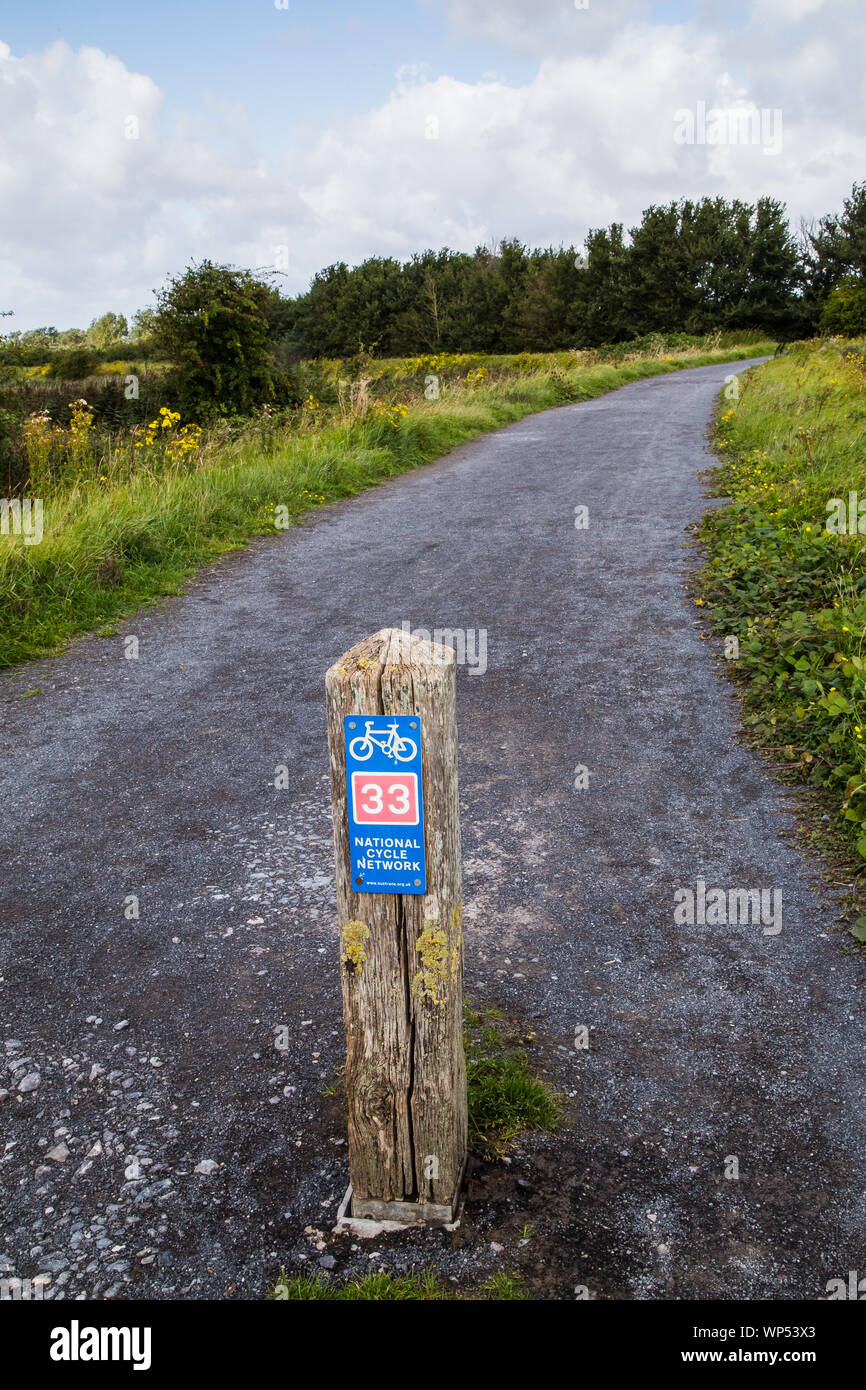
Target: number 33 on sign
pixel 385 802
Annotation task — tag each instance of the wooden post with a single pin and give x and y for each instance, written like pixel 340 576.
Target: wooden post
pixel 402 955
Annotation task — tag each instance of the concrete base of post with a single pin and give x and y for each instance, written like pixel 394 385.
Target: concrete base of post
pixel 370 1217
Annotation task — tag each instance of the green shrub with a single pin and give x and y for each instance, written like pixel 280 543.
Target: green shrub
pixel 75 364
pixel 845 309
pixel 211 323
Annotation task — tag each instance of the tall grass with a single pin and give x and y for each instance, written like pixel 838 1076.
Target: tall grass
pixel 788 589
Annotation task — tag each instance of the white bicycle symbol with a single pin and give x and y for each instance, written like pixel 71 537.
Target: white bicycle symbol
pixel 402 750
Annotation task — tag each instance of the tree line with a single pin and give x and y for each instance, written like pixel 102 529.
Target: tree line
pixel 689 266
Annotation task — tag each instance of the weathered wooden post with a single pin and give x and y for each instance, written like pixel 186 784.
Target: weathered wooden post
pixel 392 714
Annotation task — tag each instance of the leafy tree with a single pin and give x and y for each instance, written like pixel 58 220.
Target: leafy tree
pixel 70 338
pixel 719 235
pixel 660 289
pixel 319 328
pixel 547 307
pixel 104 331
pixel 484 299
pixel 143 324
pixel 212 324
pixel 774 273
pixel 29 348
pixel 835 252
pixel 839 243
pixel 605 311
pixel 844 311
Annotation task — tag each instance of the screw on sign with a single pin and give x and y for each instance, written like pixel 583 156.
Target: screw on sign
pixel 392 740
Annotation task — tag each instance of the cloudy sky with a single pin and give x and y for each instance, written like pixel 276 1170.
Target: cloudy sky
pixel 135 138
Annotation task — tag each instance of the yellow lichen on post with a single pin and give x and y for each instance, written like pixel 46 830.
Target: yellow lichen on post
pixel 457 941
pixel 355 935
pixel 431 949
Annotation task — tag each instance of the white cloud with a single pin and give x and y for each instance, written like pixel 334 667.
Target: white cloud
pixel 785 11
pixel 93 220
pixel 547 26
pixel 100 202
pixel 588 140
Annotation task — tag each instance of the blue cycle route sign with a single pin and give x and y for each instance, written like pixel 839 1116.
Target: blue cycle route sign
pixel 386 803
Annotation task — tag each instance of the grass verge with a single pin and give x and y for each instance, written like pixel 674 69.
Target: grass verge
pixel 113 544
pixel 382 1287
pixel 786 586
pixel 505 1098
